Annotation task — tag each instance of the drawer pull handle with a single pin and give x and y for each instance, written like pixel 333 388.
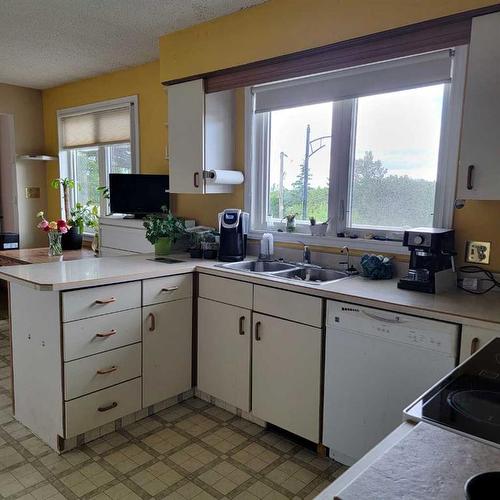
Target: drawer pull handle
pixel 104 335
pixel 105 371
pixel 114 404
pixel 474 345
pixel 196 179
pixel 242 324
pixel 170 289
pixel 105 301
pixel 257 331
pixel 152 322
pixel 470 183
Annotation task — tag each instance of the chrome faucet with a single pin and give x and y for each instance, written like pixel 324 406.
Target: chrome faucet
pixel 306 255
pixel 350 269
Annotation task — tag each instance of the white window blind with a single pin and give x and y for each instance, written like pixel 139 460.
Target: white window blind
pixel 109 126
pixel 376 78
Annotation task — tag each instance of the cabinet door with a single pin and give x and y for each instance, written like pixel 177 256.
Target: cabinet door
pixel 186 110
pixel 479 170
pixel 473 338
pixel 166 350
pixel 286 375
pixel 224 345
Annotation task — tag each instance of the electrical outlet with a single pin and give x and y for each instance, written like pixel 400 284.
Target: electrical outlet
pixel 32 192
pixel 478 252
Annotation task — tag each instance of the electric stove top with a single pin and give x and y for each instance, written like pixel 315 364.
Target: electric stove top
pixel 467 401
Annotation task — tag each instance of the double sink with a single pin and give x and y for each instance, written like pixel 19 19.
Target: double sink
pixel 286 270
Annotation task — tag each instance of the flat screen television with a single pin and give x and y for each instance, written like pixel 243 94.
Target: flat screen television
pixel 138 194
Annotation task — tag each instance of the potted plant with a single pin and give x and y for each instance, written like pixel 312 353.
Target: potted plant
pixel 81 217
pixel 66 184
pixel 163 230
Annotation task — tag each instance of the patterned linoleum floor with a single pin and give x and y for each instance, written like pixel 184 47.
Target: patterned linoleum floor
pixel 191 450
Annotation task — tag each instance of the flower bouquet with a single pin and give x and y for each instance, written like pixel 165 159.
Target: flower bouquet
pixel 54 230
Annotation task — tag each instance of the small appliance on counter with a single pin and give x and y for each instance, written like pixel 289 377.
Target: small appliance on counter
pixel 233 229
pixel 9 241
pixel 432 260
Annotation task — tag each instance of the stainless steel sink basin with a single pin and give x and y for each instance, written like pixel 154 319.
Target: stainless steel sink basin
pixel 312 275
pixel 256 266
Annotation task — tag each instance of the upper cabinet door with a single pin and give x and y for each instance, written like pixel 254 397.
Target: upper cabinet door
pixel 186 112
pixel 479 166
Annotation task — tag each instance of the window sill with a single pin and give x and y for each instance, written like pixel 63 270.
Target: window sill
pixel 374 246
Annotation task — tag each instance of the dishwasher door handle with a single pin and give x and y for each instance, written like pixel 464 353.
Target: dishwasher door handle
pixel 395 321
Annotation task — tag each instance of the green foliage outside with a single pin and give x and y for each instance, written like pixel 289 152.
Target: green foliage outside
pixel 379 199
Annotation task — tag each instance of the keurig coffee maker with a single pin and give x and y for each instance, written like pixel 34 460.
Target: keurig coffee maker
pixel 233 229
pixel 432 264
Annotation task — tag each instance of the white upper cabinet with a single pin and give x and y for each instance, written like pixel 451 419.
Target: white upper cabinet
pixel 479 165
pixel 200 136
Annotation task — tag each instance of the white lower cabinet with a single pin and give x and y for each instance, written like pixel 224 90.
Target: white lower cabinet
pixel 286 375
pixel 224 349
pixel 166 350
pixel 473 339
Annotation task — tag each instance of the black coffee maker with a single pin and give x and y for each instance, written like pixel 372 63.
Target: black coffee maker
pixel 233 229
pixel 432 264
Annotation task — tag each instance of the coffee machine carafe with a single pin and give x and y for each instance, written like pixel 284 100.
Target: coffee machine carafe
pixel 432 264
pixel 233 229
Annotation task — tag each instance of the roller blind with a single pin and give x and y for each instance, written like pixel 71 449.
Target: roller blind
pixel 109 126
pixel 376 78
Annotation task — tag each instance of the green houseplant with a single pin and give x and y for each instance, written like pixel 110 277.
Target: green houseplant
pixel 163 230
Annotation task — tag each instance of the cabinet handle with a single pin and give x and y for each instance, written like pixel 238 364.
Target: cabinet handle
pixel 106 334
pixel 105 371
pixel 470 172
pixel 242 322
pixel 105 301
pixel 170 289
pixel 474 345
pixel 257 331
pixel 196 179
pixel 152 322
pixel 114 404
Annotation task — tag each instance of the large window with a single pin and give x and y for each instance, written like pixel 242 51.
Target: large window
pixel 95 141
pixel 366 148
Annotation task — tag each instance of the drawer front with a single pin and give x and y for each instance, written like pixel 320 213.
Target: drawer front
pixel 86 337
pixel 236 293
pixel 288 305
pixel 126 238
pixel 97 372
pixel 91 302
pixel 99 408
pixel 158 290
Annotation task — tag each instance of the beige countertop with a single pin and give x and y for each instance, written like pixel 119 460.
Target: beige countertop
pixel 454 306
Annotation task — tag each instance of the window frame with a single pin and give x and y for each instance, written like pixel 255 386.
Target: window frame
pixel 67 157
pixel 257 131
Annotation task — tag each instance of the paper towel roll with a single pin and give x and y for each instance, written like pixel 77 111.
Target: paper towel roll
pixel 224 177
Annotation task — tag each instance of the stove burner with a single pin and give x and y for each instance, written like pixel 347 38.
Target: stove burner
pixel 479 405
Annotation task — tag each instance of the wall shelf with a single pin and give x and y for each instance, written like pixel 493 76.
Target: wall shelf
pixel 37 157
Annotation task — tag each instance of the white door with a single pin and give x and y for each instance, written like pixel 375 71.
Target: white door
pixel 186 116
pixel 473 339
pixel 286 375
pixel 166 350
pixel 479 167
pixel 224 345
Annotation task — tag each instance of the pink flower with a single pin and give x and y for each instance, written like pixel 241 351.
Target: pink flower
pixel 63 230
pixel 61 223
pixel 43 225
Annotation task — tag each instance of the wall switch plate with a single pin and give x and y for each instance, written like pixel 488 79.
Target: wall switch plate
pixel 32 192
pixel 478 252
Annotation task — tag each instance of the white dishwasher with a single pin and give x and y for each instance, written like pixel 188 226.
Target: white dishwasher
pixel 376 364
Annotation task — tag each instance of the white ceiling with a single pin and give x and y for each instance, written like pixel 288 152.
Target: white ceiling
pixel 44 43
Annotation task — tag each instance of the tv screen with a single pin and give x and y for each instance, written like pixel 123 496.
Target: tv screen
pixel 137 194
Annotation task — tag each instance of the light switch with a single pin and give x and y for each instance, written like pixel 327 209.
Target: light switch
pixel 478 252
pixel 32 192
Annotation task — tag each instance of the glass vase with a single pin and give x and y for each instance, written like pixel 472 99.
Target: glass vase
pixel 55 247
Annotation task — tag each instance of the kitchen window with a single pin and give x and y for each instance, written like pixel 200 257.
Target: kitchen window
pixel 97 140
pixel 371 149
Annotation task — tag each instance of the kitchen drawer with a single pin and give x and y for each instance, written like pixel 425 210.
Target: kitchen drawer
pixel 236 293
pixel 97 372
pixel 95 301
pixel 86 337
pixel 288 305
pixel 158 290
pixel 99 408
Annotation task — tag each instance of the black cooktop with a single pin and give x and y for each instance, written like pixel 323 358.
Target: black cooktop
pixel 468 400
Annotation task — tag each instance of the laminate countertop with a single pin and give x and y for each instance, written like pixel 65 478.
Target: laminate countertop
pixel 429 462
pixel 454 306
